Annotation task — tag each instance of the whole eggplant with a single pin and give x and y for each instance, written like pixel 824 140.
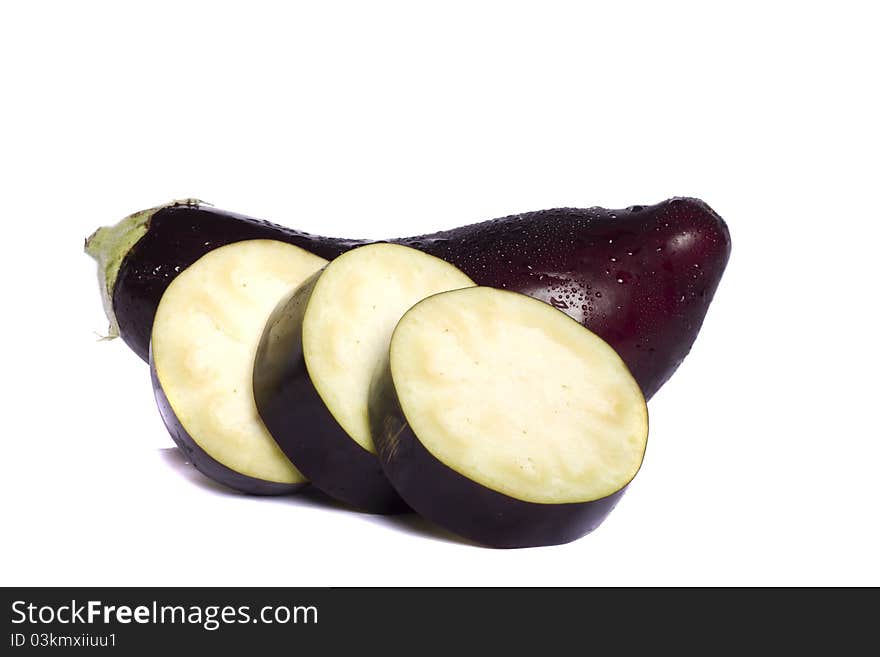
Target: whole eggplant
pixel 641 278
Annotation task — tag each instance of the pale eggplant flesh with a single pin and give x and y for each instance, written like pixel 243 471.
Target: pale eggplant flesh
pixel 204 338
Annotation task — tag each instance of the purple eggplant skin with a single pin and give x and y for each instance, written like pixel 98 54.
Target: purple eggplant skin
pixel 445 497
pixel 175 236
pixel 205 463
pixel 341 468
pixel 641 278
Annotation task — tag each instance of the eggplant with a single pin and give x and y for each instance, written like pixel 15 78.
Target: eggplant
pixel 317 358
pixel 504 421
pixel 641 278
pixel 204 338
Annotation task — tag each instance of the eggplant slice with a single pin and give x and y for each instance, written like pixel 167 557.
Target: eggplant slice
pixel 318 356
pixel 207 328
pixel 505 421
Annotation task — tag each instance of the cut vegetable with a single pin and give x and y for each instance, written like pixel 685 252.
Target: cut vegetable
pixel 501 419
pixel 319 353
pixel 205 335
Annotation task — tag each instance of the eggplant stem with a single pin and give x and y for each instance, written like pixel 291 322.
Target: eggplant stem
pixel 109 245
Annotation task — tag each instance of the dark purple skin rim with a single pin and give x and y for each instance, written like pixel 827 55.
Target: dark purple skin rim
pixel 205 463
pixel 301 423
pixel 451 500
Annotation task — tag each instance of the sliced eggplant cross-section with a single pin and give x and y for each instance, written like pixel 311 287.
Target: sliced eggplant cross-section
pixel 502 419
pixel 319 354
pixel 207 328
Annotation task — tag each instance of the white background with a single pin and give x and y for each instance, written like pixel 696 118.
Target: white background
pixel 380 119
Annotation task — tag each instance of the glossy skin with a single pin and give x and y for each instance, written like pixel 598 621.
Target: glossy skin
pixel 205 463
pixel 304 429
pixel 641 278
pixel 451 500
